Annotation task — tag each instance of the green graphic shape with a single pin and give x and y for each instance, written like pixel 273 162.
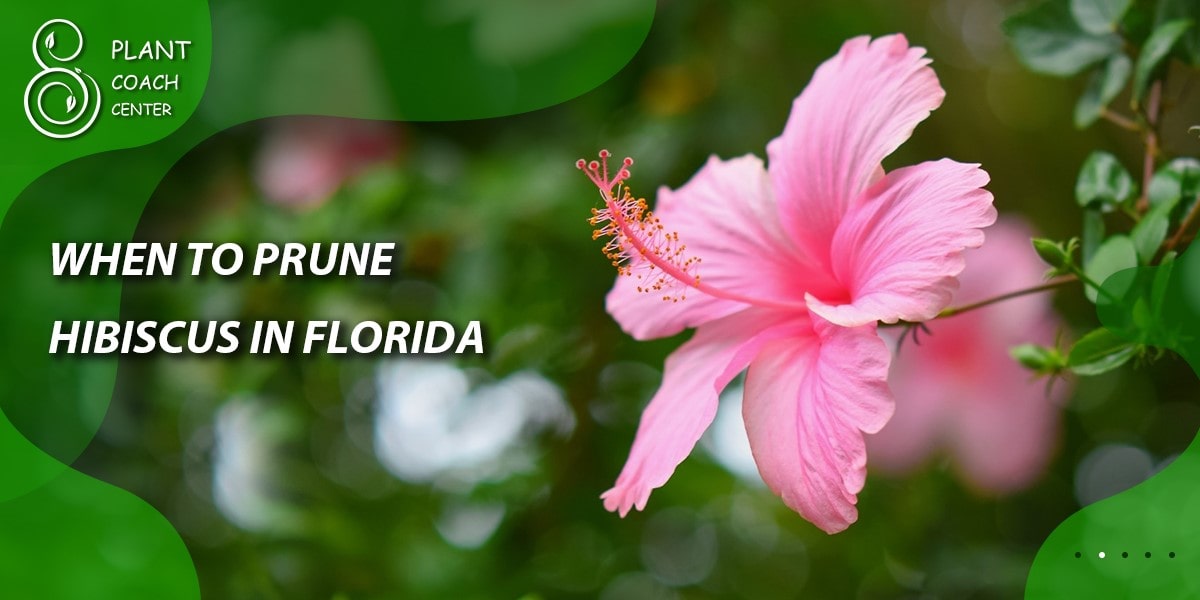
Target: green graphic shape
pixel 1149 534
pixel 66 535
pixel 76 537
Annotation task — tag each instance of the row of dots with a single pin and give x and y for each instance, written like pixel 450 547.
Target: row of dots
pixel 1123 555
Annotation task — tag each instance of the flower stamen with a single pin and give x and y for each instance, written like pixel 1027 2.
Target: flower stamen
pixel 640 246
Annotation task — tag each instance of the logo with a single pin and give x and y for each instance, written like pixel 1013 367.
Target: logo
pixel 57 99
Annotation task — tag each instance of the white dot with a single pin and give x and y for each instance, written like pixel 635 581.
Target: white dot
pixel 1101 555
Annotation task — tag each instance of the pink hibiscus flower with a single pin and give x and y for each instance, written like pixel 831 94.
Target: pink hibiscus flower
pixel 304 160
pixel 960 390
pixel 787 270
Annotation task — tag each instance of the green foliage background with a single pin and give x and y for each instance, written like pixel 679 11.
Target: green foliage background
pixel 491 215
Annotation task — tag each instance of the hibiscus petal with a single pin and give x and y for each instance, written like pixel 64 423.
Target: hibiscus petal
pixel 686 403
pixel 726 216
pixel 924 401
pixel 858 108
pixel 959 388
pixel 808 402
pixel 1005 435
pixel 899 252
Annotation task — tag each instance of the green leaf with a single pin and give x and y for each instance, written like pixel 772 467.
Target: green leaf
pixel 1041 359
pixel 1099 16
pixel 1150 232
pixel 1093 233
pixel 1170 10
pixel 1103 86
pixel 1103 182
pixel 1047 39
pixel 1176 183
pixel 1100 351
pixel 1115 254
pixel 1156 48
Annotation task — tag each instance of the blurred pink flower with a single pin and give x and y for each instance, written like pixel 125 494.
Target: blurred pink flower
pixel 959 389
pixel 304 160
pixel 800 260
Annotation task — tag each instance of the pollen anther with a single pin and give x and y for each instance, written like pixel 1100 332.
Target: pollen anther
pixel 638 243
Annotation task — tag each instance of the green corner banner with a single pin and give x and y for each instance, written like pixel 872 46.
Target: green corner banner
pixel 1141 543
pixel 115 92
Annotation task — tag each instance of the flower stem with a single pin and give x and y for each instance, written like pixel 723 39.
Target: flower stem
pixel 1120 121
pixel 1045 287
pixel 958 310
pixel 1184 226
pixel 1088 281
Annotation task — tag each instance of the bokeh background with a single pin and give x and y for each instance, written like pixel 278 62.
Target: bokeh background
pixel 462 477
